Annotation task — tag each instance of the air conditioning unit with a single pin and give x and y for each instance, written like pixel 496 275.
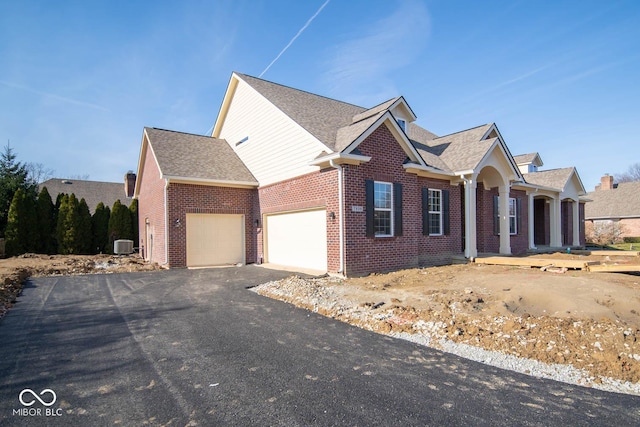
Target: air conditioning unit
pixel 123 247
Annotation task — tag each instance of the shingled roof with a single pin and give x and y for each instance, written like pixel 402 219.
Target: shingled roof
pixel 620 202
pixel 455 152
pixel 93 192
pixel 552 178
pixel 185 155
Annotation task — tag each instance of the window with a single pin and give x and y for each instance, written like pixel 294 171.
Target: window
pixel 435 212
pixel 402 123
pixel 383 209
pixel 513 215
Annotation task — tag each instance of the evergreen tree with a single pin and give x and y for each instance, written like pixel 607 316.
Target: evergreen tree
pixel 45 211
pixel 21 233
pixel 120 223
pixel 13 175
pixel 100 228
pixel 68 225
pixel 133 209
pixel 84 238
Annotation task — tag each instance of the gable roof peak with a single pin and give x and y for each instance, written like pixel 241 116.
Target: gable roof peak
pixel 247 77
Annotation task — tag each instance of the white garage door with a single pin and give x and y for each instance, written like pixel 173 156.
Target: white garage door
pixel 214 239
pixel 298 239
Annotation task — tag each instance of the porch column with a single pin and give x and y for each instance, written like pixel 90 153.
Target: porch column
pixel 576 223
pixel 555 223
pixel 503 206
pixel 470 235
pixel 530 221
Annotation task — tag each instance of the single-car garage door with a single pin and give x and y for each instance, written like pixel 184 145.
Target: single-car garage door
pixel 297 239
pixel 214 239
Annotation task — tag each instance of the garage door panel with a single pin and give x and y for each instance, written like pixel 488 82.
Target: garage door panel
pixel 215 239
pixel 298 239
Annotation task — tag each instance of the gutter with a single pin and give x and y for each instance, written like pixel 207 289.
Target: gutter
pixel 341 211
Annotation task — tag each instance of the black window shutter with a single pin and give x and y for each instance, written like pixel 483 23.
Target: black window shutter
pixel 496 217
pixel 369 207
pixel 519 214
pixel 397 209
pixel 425 211
pixel 445 213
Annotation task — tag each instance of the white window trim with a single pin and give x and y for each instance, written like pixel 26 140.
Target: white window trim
pixel 384 209
pixel 402 123
pixel 439 212
pixel 514 216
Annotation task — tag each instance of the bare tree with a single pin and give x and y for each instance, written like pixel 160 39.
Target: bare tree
pixel 38 173
pixel 78 177
pixel 604 232
pixel 632 174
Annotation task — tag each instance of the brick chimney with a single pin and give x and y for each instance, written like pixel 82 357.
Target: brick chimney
pixel 606 183
pixel 129 183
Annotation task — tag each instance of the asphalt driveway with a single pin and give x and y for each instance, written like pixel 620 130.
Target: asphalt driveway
pixel 195 347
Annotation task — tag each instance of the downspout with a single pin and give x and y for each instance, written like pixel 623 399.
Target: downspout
pixel 166 222
pixel 340 213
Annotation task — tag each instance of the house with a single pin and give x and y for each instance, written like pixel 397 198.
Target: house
pixel 613 203
pixel 297 179
pixel 93 192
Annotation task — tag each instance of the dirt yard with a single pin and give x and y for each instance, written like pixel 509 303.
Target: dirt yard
pixel 588 320
pixel 14 271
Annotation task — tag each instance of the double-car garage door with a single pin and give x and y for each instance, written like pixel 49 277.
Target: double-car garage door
pixel 297 239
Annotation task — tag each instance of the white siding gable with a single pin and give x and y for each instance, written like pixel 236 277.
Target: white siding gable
pixel 275 148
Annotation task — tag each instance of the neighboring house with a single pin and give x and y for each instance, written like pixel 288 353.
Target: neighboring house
pixel 296 179
pixel 93 192
pixel 616 203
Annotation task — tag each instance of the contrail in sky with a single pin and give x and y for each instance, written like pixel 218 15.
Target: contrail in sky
pixel 304 27
pixel 53 95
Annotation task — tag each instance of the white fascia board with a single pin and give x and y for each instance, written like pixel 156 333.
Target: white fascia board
pixel 210 182
pixel 504 148
pixel 224 107
pixel 498 143
pixel 401 100
pixel 139 171
pixel 148 148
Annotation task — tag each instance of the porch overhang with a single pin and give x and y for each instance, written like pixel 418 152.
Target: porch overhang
pixel 339 159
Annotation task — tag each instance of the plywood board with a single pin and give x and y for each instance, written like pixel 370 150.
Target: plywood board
pixel 535 262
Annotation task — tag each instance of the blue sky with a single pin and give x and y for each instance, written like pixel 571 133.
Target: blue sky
pixel 80 79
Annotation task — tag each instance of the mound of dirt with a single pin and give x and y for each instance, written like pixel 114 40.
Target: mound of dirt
pixel 14 271
pixel 588 320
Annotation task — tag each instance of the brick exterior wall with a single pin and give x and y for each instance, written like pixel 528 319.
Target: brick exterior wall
pixel 375 254
pixel 318 189
pixel 631 227
pixel 189 198
pixel 488 241
pixel 151 212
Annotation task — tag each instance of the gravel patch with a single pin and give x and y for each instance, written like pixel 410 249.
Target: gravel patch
pixel 320 296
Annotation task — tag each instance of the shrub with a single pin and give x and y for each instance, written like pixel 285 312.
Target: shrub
pixel 632 239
